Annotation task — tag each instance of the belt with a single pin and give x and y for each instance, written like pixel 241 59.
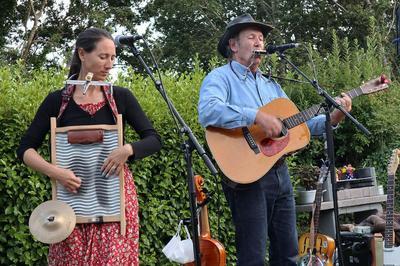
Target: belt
pixel 236 185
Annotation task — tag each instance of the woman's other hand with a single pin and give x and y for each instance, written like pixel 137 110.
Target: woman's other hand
pixel 116 160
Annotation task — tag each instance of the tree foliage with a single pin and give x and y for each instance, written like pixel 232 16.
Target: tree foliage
pixel 178 30
pixel 190 27
pixel 56 25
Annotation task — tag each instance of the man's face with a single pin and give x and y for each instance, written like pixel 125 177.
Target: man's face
pixel 247 41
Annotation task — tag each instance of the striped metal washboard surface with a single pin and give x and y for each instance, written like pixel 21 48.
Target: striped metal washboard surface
pixel 98 195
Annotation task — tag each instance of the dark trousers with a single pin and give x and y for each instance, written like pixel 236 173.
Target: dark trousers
pixel 260 209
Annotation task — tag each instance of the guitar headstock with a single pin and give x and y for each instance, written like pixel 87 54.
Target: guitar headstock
pixel 323 173
pixel 375 85
pixel 198 184
pixel 393 162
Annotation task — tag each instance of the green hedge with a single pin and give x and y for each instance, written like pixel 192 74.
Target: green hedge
pixel 160 179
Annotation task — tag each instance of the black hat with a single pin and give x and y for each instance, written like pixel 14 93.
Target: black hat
pixel 235 26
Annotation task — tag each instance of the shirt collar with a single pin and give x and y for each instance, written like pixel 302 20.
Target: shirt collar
pixel 242 70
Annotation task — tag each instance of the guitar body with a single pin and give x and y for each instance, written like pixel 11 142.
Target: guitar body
pixel 324 247
pixel 391 256
pixel 313 244
pixel 239 162
pixel 212 253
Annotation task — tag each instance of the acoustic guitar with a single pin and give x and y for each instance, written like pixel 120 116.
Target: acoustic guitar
pixel 316 249
pixel 244 154
pixel 391 254
pixel 212 252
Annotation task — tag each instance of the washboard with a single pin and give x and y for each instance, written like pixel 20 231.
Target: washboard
pixel 99 199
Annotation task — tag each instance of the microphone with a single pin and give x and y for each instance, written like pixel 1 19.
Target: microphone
pixel 121 40
pixel 276 48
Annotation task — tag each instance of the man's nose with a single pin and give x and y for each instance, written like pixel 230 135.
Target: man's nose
pixel 258 43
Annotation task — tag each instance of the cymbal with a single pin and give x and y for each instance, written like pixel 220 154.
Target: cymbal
pixel 52 221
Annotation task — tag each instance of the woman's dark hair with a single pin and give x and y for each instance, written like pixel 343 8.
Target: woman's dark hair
pixel 88 41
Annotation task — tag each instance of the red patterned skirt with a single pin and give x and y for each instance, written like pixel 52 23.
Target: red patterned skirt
pixel 103 244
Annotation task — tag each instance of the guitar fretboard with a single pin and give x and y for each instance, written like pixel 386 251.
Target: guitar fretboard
pixel 318 199
pixel 355 92
pixel 314 110
pixel 389 212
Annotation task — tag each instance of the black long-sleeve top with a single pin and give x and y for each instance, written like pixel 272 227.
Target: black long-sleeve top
pixel 127 105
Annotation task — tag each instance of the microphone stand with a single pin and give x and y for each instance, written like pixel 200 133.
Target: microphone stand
pixel 329 103
pixel 189 144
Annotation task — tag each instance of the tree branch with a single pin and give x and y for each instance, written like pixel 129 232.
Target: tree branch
pixel 335 2
pixel 34 30
pixel 393 20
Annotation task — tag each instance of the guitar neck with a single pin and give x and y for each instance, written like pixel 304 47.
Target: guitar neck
pixel 389 212
pixel 309 113
pixel 318 198
pixel 355 92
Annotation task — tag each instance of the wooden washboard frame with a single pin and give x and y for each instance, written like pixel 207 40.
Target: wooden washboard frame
pixel 120 217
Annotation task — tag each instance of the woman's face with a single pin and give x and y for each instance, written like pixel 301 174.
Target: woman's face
pixel 99 61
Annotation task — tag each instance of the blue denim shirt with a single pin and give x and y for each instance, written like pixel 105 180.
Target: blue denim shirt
pixel 230 96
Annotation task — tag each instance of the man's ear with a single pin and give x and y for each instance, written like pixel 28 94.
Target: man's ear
pixel 233 45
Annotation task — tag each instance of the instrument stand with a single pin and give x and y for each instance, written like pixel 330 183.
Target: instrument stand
pixel 329 104
pixel 189 144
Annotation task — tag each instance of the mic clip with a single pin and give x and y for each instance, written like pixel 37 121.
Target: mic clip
pixel 88 80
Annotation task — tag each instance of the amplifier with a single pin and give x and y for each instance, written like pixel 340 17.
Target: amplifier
pixel 357 249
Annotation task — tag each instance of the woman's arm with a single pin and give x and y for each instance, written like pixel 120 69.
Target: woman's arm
pixel 150 140
pixel 149 143
pixel 66 177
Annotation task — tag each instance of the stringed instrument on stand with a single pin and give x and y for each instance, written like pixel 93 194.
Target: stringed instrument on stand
pixel 391 254
pixel 316 249
pixel 212 252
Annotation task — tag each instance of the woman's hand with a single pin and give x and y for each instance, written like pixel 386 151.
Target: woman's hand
pixel 68 179
pixel 65 177
pixel 116 160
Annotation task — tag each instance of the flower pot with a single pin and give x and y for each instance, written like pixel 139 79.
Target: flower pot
pixel 305 196
pixel 380 190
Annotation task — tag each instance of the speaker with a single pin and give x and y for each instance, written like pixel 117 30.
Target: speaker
pixel 356 249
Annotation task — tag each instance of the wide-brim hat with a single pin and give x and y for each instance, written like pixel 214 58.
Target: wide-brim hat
pixel 235 26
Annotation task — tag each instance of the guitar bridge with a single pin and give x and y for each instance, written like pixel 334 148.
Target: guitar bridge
pixel 250 140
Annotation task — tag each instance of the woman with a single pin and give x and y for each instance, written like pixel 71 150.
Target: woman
pixel 93 244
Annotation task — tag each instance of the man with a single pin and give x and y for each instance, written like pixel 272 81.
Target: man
pixel 230 97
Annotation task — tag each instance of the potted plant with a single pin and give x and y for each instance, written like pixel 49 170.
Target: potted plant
pixel 306 185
